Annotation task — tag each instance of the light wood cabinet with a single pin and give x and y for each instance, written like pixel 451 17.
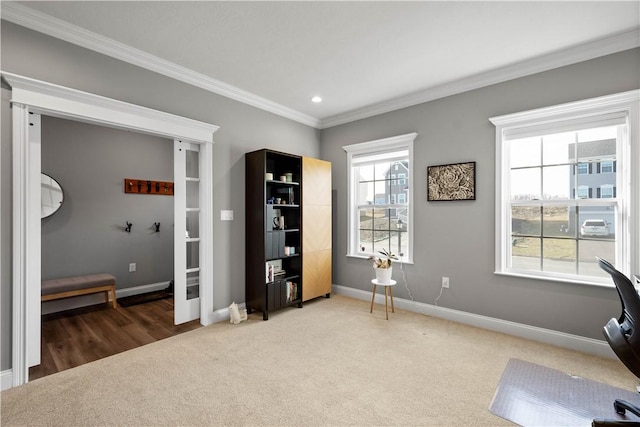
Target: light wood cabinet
pixel 316 228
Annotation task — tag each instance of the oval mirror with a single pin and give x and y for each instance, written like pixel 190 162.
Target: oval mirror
pixel 52 196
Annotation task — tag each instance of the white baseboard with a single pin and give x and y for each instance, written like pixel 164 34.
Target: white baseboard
pixel 87 300
pixel 6 379
pixel 586 345
pixel 143 289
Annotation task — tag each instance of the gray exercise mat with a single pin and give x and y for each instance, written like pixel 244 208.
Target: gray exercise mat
pixel 533 395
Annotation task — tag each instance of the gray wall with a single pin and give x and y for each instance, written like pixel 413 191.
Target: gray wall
pixel 456 239
pixel 242 129
pixel 86 235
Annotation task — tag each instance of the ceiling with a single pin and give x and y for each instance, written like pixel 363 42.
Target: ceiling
pixel 362 58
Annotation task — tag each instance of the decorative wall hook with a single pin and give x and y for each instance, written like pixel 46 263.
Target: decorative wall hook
pixel 128 227
pixel 157 226
pixel 145 186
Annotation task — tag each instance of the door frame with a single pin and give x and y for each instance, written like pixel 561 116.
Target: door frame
pixel 31 98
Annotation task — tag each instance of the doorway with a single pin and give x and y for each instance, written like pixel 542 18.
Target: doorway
pixel 30 99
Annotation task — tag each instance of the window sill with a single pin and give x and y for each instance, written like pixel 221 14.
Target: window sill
pixel 366 257
pixel 555 279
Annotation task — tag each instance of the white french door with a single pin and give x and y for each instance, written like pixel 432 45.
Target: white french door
pixel 187 218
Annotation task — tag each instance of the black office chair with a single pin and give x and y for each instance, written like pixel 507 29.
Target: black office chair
pixel 623 335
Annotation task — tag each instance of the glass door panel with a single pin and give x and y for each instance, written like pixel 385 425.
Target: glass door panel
pixel 187 231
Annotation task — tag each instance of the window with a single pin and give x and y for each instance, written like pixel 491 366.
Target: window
pixel 583 191
pixel 606 166
pixel 607 192
pixel 380 213
pixel 549 195
pixel 401 179
pixel 583 168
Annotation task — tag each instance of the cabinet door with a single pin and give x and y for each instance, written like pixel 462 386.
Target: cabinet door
pixel 316 274
pixel 316 228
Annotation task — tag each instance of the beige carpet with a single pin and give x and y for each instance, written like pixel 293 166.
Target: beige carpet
pixel 329 363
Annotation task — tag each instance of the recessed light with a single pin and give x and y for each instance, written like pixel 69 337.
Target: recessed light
pixel 316 99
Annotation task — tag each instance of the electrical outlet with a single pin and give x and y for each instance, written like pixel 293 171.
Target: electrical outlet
pixel 132 267
pixel 445 282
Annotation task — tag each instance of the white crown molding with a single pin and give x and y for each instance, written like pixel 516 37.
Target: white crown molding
pixel 579 53
pixel 37 21
pixel 59 29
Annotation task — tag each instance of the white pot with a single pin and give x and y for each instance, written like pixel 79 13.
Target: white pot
pixel 384 274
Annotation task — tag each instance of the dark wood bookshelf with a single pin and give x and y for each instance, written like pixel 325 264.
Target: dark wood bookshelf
pixel 265 240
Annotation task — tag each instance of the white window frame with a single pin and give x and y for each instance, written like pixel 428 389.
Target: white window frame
pixel 566 117
pixel 402 198
pixel 402 179
pixel 395 143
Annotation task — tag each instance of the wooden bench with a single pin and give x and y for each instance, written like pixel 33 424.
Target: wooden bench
pixel 66 287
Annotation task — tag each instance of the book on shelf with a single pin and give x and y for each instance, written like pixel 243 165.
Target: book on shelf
pixel 269 274
pixel 291 291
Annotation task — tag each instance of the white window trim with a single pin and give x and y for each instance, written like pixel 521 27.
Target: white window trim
pixel 393 143
pixel 549 118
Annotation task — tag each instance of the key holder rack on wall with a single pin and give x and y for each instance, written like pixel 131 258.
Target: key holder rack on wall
pixel 144 186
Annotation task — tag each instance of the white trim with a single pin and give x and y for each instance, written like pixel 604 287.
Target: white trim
pixel 574 342
pixel 47 98
pixel 19 347
pixel 387 144
pixel 26 241
pixel 572 55
pixel 142 289
pixel 6 379
pixel 207 255
pixel 38 21
pixel 587 107
pixel 71 104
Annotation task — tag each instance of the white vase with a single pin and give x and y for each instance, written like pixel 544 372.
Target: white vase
pixel 384 274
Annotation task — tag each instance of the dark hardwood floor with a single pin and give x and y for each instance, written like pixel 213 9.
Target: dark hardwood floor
pixel 75 337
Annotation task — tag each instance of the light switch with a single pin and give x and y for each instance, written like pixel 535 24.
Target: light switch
pixel 226 215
